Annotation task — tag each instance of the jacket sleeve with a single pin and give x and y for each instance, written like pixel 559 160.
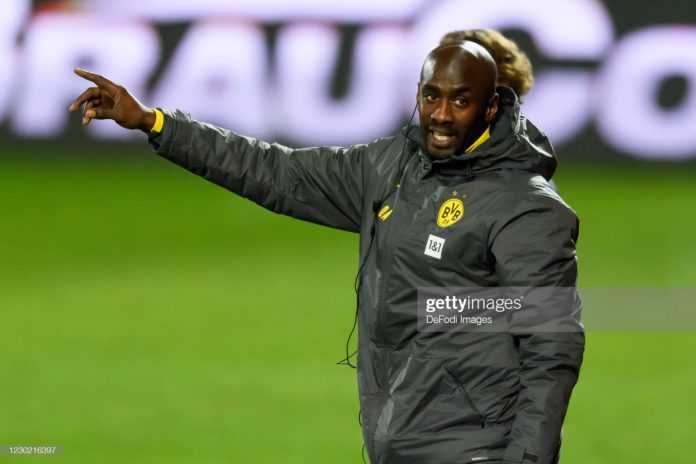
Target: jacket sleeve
pixel 321 185
pixel 536 248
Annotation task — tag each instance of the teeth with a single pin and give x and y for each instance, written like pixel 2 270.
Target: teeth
pixel 440 137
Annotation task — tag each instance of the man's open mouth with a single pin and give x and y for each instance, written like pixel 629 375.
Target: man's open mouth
pixel 441 139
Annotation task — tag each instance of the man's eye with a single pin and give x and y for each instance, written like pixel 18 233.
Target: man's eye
pixel 461 102
pixel 429 97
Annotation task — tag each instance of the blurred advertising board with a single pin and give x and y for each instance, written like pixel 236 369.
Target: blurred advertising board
pixel 612 78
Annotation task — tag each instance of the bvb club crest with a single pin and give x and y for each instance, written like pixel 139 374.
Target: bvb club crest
pixel 450 212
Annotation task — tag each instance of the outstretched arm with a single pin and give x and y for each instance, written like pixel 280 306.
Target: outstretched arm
pixel 322 185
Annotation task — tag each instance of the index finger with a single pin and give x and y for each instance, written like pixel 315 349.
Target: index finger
pixel 101 81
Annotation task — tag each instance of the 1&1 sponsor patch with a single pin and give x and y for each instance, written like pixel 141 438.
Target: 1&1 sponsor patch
pixel 434 246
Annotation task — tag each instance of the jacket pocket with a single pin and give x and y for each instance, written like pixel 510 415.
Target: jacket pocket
pixel 429 399
pixel 465 394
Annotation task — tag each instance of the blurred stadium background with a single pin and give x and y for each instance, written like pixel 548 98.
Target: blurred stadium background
pixel 147 316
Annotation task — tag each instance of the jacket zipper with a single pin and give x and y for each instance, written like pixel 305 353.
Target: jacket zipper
pixel 391 244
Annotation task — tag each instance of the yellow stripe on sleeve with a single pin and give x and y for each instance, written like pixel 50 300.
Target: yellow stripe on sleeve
pixel 159 121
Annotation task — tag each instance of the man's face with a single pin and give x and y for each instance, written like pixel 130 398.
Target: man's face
pixel 456 100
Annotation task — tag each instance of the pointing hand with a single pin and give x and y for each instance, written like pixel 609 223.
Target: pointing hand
pixel 110 101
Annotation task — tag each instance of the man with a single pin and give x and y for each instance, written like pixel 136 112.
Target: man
pixel 426 397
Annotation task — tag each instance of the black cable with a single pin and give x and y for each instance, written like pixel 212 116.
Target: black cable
pixel 358 285
pixel 375 206
pixel 358 277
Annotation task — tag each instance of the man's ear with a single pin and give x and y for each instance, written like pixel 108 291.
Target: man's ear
pixel 492 109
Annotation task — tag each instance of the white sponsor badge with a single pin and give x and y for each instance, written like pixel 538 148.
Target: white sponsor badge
pixel 434 246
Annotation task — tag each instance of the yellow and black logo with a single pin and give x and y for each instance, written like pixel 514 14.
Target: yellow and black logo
pixel 385 213
pixel 451 211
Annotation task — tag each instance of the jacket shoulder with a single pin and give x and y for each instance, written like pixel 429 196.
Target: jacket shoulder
pixel 385 145
pixel 535 190
pixel 530 197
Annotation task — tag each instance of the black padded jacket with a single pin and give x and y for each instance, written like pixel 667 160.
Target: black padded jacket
pixel 435 398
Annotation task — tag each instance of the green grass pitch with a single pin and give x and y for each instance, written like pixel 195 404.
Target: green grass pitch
pixel 147 316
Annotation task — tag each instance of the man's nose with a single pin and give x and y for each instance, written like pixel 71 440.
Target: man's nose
pixel 443 112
